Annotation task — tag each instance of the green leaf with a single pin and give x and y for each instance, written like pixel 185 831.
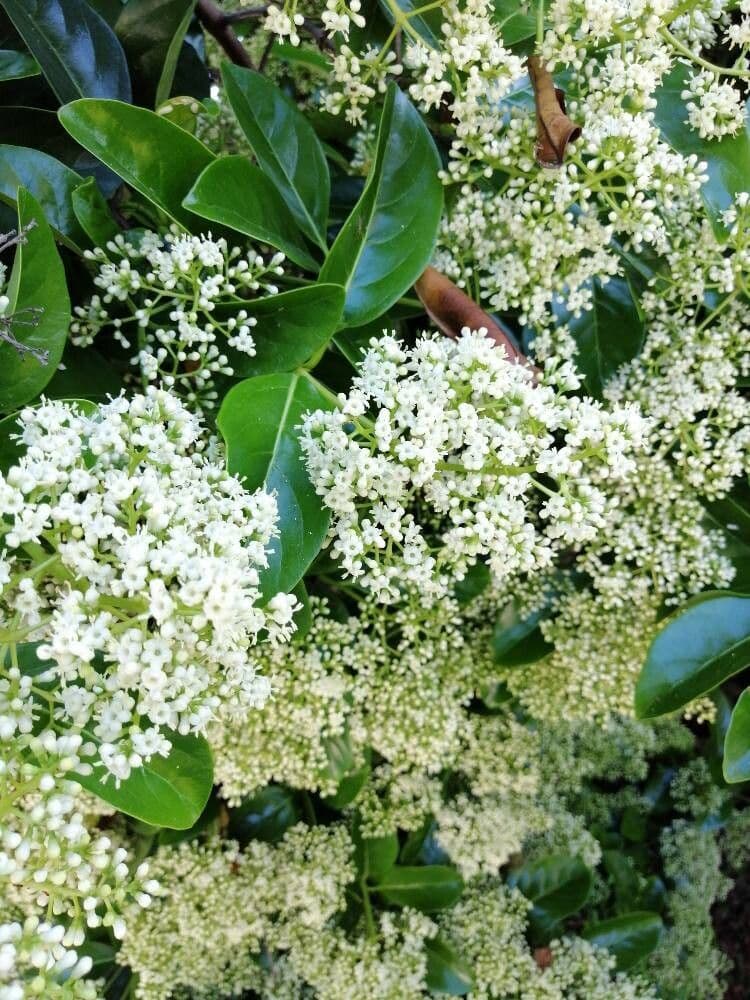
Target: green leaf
pixel 87 375
pixel 168 791
pixel 76 49
pixel 737 741
pixel 93 214
pixel 428 889
pixel 702 645
pixel 518 640
pixel 17 65
pixel 266 815
pixel 630 937
pixel 556 885
pixel 447 971
pixel 152 155
pixel 37 282
pixel 728 159
pixel 208 819
pixel 350 785
pixel 292 329
pixel 285 146
pixel 259 420
pixel 515 22
pixel 733 511
pixel 375 856
pixel 236 193
pixel 608 334
pixel 50 182
pixel 152 32
pixel 388 239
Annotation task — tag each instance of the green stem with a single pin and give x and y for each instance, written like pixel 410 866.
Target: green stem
pixel 670 39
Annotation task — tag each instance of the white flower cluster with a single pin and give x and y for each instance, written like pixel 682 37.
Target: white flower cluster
pixel 163 296
pixel 394 682
pixel 250 900
pixel 35 963
pixel 714 107
pixel 466 457
pixel 135 562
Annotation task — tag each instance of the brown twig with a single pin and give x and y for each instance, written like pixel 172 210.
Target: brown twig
pixel 554 130
pixel 452 310
pixel 216 24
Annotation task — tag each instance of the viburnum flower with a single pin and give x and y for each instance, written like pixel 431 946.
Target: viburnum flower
pixel 134 561
pixel 465 457
pixel 35 963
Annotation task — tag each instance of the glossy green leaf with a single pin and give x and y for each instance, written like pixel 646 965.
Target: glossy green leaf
pixel 17 65
pixel 728 159
pixel 630 937
pixel 259 420
pixel 152 32
pixel 703 644
pixel 292 328
pixel 207 820
pixel 86 375
pixel 388 239
pixel 49 181
pixel 285 146
pixel 152 155
pixel 40 305
pixel 236 193
pixel 557 885
pixel 93 214
pixel 432 888
pixel 266 815
pixel 76 49
pixel 168 791
pixel 518 640
pixel 447 971
pixel 608 334
pixel 737 741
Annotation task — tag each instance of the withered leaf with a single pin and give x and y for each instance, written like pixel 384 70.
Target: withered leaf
pixel 554 130
pixel 451 310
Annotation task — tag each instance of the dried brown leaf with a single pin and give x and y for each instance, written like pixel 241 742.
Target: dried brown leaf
pixel 451 310
pixel 554 130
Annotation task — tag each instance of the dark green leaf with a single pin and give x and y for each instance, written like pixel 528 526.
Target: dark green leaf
pixel 259 421
pixel 17 65
pixel 37 282
pixel 475 582
pixel 50 182
pixel 733 511
pixel 236 193
pixel 303 618
pixel 388 239
pixel 556 885
pixel 518 640
pixel 427 889
pixel 702 645
pixel 168 791
pixel 151 32
pixel 285 145
pixel 86 375
pixel 151 154
pixel 624 878
pixel 447 971
pixel 608 334
pixel 293 328
pixel 266 815
pixel 76 49
pixel 630 937
pixel 728 159
pixel 422 847
pixel 737 742
pixel 93 214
